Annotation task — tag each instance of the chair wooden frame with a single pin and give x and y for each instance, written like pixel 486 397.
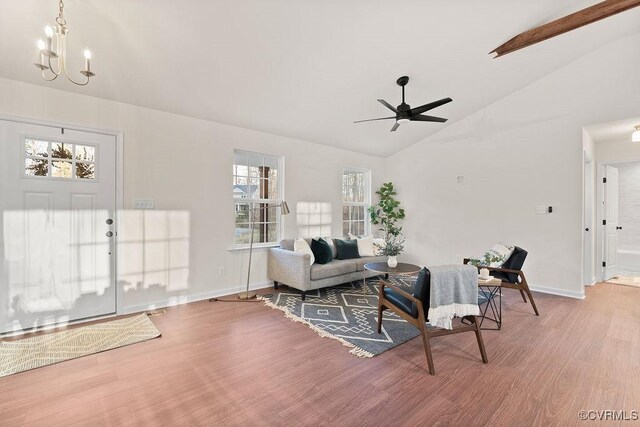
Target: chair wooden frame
pixel 420 323
pixel 521 284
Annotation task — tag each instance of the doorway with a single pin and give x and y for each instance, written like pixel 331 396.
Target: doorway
pixel 621 227
pixel 618 238
pixel 57 239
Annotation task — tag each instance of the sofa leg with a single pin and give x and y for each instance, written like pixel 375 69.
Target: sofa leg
pixel 275 285
pixel 304 294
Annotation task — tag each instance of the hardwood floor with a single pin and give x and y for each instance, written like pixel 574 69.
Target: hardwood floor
pixel 246 364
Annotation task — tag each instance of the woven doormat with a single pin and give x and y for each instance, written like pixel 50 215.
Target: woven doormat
pixel 42 350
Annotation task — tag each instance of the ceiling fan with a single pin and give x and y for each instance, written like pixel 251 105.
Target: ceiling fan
pixel 404 112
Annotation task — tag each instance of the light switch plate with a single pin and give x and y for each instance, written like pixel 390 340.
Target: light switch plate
pixel 143 204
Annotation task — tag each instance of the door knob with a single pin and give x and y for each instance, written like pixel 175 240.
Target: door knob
pixel 109 221
pixel 586 229
pixel 618 228
pixel 109 233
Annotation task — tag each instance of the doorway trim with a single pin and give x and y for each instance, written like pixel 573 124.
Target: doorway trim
pixel 119 136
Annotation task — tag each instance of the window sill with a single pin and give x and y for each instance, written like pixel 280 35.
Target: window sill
pixel 255 248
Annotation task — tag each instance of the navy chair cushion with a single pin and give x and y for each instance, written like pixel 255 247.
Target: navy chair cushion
pixel 421 291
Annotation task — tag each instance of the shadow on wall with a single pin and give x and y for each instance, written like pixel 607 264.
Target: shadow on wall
pixel 58 265
pixel 313 219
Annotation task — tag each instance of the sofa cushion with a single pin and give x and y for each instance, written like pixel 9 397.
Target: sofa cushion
pixel 321 251
pixel 367 259
pixel 347 249
pixel 334 268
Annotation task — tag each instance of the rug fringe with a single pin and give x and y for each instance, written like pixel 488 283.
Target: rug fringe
pixel 355 350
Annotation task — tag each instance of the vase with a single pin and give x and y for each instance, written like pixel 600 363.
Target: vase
pixel 392 261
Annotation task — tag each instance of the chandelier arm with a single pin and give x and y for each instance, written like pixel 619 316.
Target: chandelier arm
pixel 57 73
pixel 73 81
pixel 55 76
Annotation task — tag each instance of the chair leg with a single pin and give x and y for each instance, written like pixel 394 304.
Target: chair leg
pixel 304 294
pixel 525 286
pixel 523 297
pixel 427 347
pixel 275 285
pixel 381 309
pixel 483 351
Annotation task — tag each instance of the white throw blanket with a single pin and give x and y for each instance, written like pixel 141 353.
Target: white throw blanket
pixel 454 292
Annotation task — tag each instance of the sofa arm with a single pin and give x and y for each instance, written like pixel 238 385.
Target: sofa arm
pixel 289 268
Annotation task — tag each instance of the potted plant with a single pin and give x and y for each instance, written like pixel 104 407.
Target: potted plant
pixel 387 213
pixel 393 246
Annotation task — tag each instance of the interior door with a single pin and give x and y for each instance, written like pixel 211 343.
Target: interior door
pixel 57 239
pixel 611 226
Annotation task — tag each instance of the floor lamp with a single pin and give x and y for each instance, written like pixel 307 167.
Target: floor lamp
pixel 284 210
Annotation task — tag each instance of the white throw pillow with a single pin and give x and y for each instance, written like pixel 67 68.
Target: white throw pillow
pixel 301 246
pixel 365 246
pixel 494 257
pixel 378 245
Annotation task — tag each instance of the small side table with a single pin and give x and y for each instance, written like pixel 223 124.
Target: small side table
pixel 491 289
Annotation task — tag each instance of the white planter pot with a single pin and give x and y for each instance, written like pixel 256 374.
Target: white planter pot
pixel 392 261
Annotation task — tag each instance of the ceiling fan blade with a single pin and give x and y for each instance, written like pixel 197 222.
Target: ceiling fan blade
pixel 429 106
pixel 423 118
pixel 396 125
pixel 371 120
pixel 389 106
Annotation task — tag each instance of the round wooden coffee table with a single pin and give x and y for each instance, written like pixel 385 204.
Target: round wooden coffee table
pixel 402 269
pixel 382 268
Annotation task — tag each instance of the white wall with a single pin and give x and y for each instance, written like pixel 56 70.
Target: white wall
pixel 524 150
pixel 192 195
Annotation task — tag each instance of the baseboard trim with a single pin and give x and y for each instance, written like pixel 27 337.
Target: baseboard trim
pixel 558 292
pixel 186 299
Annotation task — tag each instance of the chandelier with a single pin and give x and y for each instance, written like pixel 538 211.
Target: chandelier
pixel 52 60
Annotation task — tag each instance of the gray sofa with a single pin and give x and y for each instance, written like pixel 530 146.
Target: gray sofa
pixel 292 269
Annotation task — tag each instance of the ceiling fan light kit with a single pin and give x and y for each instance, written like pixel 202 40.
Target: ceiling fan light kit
pixel 52 62
pixel 404 112
pixel 635 136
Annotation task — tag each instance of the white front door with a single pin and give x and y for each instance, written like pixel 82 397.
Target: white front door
pixel 57 239
pixel 611 227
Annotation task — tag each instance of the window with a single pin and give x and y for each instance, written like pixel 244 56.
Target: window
pixel 257 187
pixel 356 196
pixel 59 160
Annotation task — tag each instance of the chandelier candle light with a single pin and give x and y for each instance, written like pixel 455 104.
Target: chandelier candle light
pixel 53 62
pixel 635 136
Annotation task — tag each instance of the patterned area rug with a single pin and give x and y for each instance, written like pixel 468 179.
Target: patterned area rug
pixel 30 353
pixel 347 313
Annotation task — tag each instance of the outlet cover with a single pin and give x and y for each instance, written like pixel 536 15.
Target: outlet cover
pixel 143 204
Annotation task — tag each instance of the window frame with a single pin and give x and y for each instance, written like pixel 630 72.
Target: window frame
pixel 256 201
pixel 366 204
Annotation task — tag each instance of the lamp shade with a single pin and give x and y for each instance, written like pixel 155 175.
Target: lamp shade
pixel 635 136
pixel 284 208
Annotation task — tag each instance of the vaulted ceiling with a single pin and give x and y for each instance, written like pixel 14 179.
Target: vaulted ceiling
pixel 301 68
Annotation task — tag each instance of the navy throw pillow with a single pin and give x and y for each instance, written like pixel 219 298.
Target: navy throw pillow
pixel 321 251
pixel 347 249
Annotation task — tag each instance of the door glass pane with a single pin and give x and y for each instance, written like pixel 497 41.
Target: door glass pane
pixel 85 170
pixel 36 167
pixel 86 153
pixel 35 147
pixel 61 150
pixel 60 169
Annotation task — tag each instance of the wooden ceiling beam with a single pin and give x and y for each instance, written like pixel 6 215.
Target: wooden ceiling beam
pixel 563 25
